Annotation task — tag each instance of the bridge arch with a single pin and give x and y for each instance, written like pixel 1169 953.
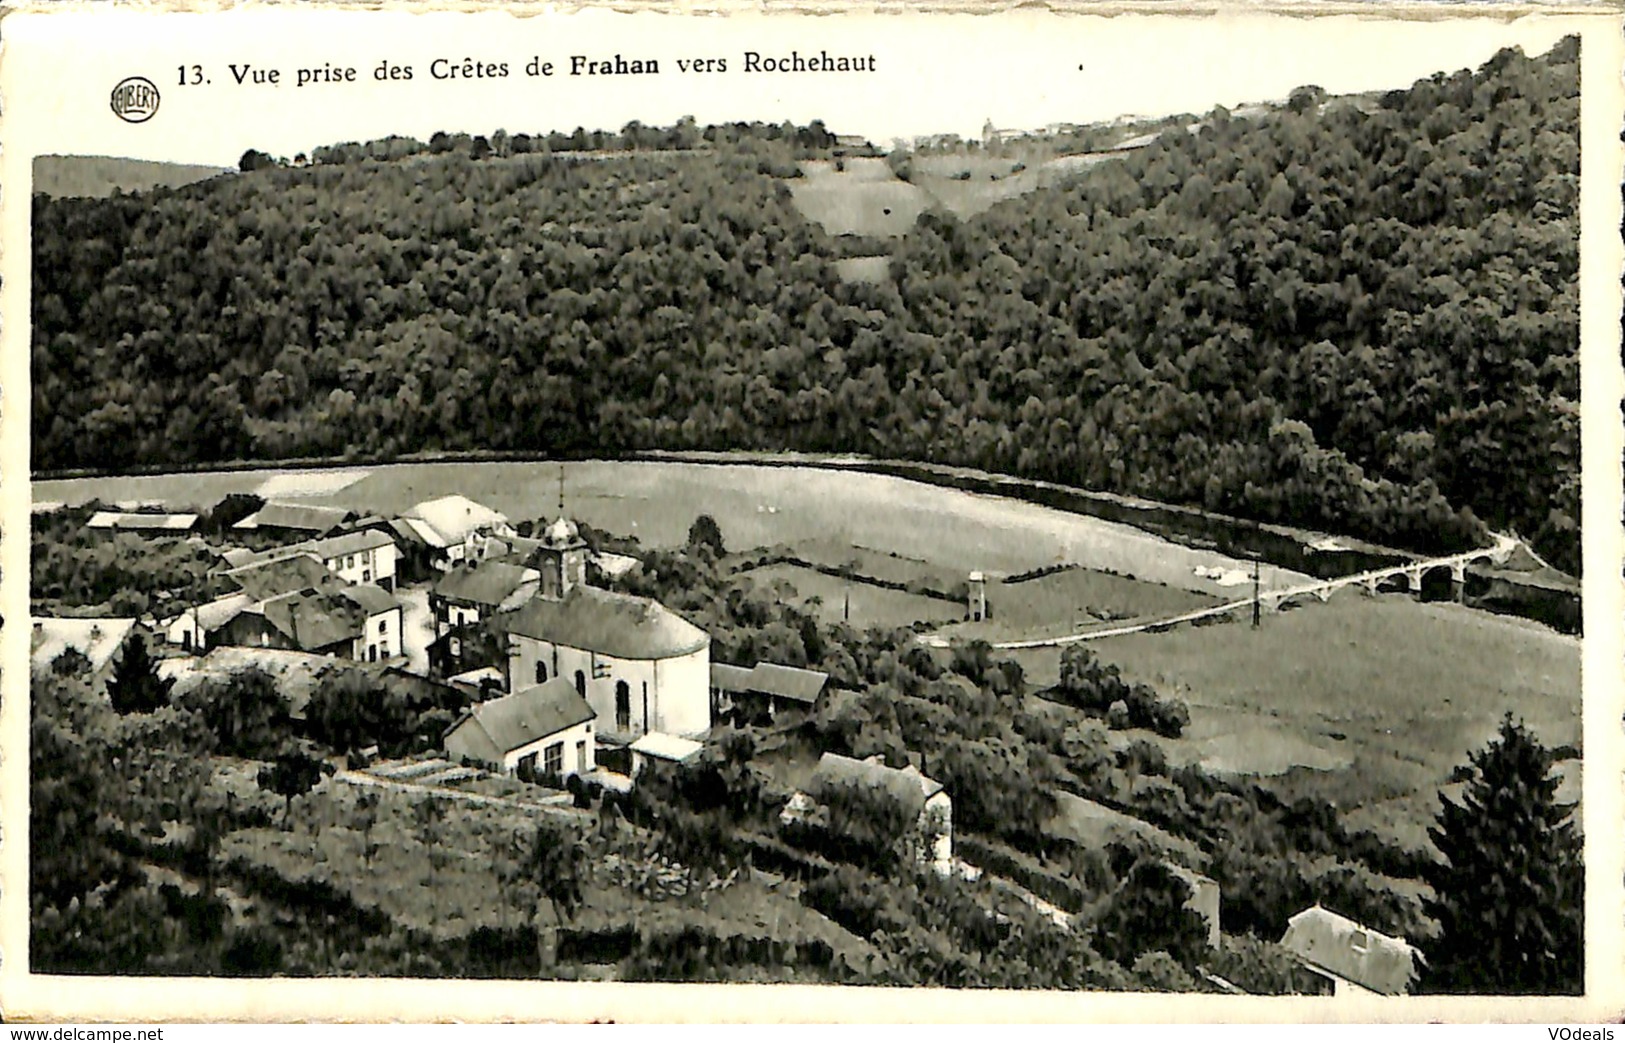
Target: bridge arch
pixel 1398 582
pixel 1439 583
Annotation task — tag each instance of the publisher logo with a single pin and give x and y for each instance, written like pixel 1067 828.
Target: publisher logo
pixel 135 99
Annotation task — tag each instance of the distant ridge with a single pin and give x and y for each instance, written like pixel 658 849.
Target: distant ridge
pixel 97 176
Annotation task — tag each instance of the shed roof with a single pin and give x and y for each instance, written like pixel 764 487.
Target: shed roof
pixel 906 785
pixel 449 519
pixel 788 682
pixel 98 639
pixel 528 715
pixel 142 522
pixel 730 678
pixel 621 625
pixel 667 747
pixel 487 583
pixel 296 516
pixel 1349 950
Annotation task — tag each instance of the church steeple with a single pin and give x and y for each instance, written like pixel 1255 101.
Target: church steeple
pixel 561 558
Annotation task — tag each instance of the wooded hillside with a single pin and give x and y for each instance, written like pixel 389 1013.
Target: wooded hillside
pixel 1362 321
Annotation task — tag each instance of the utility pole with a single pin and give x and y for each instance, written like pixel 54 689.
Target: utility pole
pixel 1255 595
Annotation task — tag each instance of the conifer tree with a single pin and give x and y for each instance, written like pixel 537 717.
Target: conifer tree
pixel 135 686
pixel 1510 897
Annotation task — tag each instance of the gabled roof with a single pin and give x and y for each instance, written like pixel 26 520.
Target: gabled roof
pixel 140 522
pixel 788 682
pixel 331 547
pixel 1339 946
pixel 370 598
pixel 283 576
pixel 487 583
pixel 513 547
pixel 295 516
pixel 315 621
pixel 221 611
pixel 667 747
pixel 612 624
pixel 906 785
pixel 449 519
pixel 528 715
pixel 612 564
pixel 97 639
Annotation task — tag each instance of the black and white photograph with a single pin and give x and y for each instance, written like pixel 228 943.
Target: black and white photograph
pixel 1011 503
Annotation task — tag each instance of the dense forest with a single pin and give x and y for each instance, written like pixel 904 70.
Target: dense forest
pixel 1357 317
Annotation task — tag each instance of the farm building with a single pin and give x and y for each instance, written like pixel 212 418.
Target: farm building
pixel 1357 960
pixel 199 628
pixel 98 640
pixel 268 579
pixel 662 748
pixel 932 841
pixel 453 528
pixel 295 519
pixel 124 521
pixel 765 693
pixel 542 730
pixel 361 556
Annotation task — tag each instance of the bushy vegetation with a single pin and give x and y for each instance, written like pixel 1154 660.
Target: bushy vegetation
pixel 1354 320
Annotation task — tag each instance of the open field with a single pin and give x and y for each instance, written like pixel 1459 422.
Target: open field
pixel 1397 690
pixel 870 605
pixel 1075 600
pixel 756 505
pixel 890 567
pixel 864 199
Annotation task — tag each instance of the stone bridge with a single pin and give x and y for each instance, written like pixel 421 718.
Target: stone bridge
pixel 1406 577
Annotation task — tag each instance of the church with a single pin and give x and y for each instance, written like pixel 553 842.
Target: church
pixel 641 667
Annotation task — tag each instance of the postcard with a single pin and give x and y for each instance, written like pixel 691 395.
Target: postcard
pixel 1033 516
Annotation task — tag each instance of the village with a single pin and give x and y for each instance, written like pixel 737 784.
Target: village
pixel 566 691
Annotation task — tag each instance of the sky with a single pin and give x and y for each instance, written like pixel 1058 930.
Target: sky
pixel 934 73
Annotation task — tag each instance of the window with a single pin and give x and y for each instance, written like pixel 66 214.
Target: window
pixel 541 672
pixel 581 684
pixel 553 759
pixel 456 647
pixel 623 706
pixel 383 625
pixel 383 650
pixel 349 561
pixel 372 653
pixel 581 755
pixel 459 617
pixel 1359 941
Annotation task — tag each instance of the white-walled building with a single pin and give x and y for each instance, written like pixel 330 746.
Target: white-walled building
pixel 454 527
pixel 641 667
pixel 1357 960
pixel 363 556
pixel 546 729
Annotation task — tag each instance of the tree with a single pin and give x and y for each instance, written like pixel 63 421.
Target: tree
pixel 705 532
pixel 293 774
pixel 1509 897
pixel 1148 914
pixel 246 713
pixel 553 863
pixel 135 686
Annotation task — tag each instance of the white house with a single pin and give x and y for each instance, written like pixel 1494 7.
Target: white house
pixel 472 590
pixel 1357 960
pixel 454 527
pixel 98 640
pixel 641 667
pixel 363 556
pixel 546 729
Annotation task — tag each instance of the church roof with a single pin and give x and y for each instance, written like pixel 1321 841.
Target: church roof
pixel 621 625
pixel 562 534
pixel 526 716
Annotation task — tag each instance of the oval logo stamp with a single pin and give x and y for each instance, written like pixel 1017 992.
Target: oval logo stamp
pixel 135 99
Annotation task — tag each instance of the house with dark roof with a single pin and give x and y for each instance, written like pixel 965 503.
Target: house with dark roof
pixel 642 667
pixel 294 518
pixel 931 841
pixel 360 622
pixel 358 556
pixel 474 590
pixel 543 730
pixel 1357 960
pixel 764 694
